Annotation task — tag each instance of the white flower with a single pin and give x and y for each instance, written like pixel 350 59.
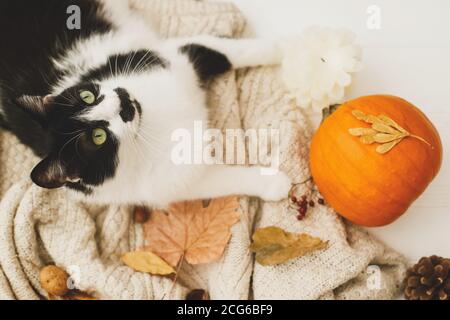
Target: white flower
pixel 318 66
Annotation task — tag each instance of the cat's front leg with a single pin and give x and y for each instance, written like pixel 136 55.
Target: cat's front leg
pixel 222 180
pixel 241 53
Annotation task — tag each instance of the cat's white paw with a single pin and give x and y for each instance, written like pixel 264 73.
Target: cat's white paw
pixel 276 187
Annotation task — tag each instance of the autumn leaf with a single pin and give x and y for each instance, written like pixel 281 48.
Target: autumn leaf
pixel 78 295
pixel 194 231
pixel 273 245
pixel 144 261
pixel 383 130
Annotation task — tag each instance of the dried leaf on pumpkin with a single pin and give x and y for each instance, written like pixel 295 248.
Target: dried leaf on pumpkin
pixel 383 130
pixel 273 245
pixel 194 231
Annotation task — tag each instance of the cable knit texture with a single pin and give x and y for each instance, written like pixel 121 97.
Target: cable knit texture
pixel 40 227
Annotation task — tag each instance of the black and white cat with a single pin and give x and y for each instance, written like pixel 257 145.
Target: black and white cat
pixel 99 104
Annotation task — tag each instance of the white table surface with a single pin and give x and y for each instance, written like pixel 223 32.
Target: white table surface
pixel 408 56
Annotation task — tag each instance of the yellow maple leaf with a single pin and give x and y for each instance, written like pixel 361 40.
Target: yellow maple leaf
pixel 144 261
pixel 195 231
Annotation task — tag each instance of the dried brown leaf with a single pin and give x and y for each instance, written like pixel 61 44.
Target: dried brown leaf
pixel 369 139
pixel 273 245
pixel 357 132
pixel 373 119
pixel 358 114
pixel 386 147
pixel 78 295
pixel 391 123
pixel 144 261
pixel 384 130
pixel 386 137
pixel 190 230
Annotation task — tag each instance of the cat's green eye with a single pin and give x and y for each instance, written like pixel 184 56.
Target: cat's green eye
pixel 99 136
pixel 87 96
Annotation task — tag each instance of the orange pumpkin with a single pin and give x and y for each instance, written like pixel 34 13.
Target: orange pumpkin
pixel 368 182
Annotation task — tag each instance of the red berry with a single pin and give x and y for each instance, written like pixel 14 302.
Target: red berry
pixel 300 217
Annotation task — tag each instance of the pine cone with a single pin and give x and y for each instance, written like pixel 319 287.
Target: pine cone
pixel 429 279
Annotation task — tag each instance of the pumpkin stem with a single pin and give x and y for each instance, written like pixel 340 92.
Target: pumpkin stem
pixel 421 139
pixel 329 111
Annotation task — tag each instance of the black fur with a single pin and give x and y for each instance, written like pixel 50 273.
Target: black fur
pixel 32 33
pixel 207 63
pixel 135 61
pixel 127 107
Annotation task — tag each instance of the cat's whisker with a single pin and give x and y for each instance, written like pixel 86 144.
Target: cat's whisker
pixel 68 98
pixel 144 65
pixel 110 67
pixel 150 138
pixel 77 148
pixel 141 61
pixel 67 143
pixel 68 133
pixel 150 134
pixel 132 140
pixel 152 146
pixel 64 104
pixel 139 151
pixel 116 72
pixel 3 84
pixel 129 65
pixel 44 77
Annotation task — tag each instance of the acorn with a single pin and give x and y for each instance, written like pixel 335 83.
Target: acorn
pixel 198 294
pixel 54 280
pixel 141 215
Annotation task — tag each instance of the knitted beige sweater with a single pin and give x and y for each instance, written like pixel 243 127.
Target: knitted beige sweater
pixel 39 227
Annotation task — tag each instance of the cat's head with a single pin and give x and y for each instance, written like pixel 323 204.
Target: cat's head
pixel 87 123
pixel 98 123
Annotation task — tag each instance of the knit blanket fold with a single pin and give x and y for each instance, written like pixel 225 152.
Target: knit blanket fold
pixel 40 227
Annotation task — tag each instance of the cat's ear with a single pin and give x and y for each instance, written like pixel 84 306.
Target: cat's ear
pixel 51 173
pixel 207 63
pixel 37 105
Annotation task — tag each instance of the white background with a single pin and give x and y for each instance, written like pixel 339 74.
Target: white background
pixel 409 57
